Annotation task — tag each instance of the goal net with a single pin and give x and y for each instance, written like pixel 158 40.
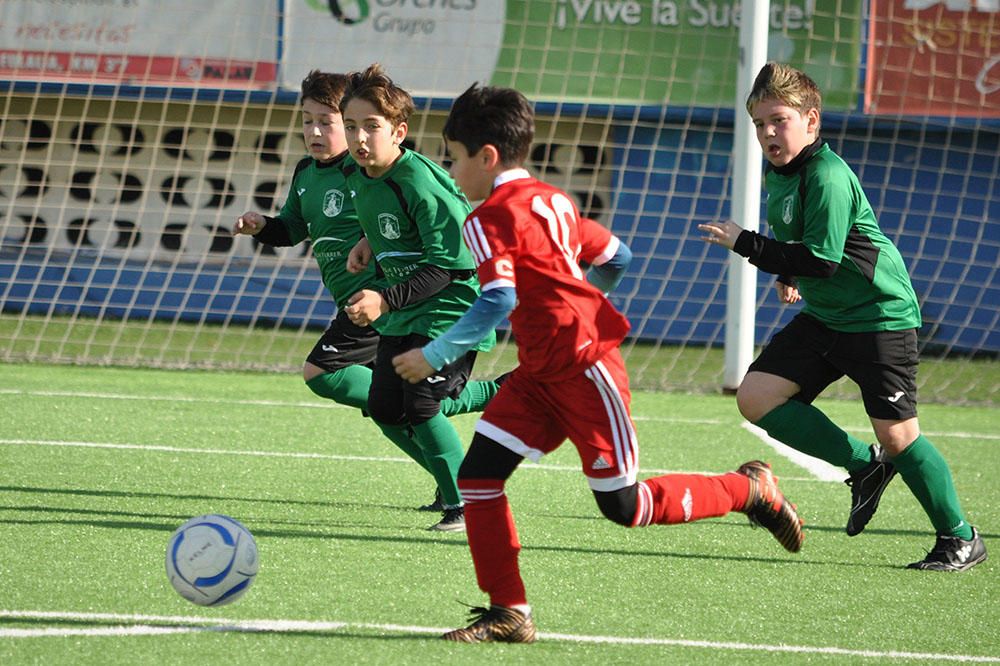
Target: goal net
pixel 131 138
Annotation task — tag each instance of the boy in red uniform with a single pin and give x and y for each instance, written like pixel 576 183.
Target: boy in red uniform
pixel 528 238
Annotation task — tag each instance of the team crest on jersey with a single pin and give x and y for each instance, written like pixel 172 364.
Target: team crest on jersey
pixel 388 225
pixel 788 209
pixel 333 203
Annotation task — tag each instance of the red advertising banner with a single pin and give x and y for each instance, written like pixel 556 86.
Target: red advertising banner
pixel 934 57
pixel 135 69
pixel 183 42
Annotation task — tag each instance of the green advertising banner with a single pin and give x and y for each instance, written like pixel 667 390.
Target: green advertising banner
pixel 682 52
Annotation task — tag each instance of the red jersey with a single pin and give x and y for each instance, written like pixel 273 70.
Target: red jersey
pixel 529 235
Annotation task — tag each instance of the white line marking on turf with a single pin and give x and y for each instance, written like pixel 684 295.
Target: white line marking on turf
pixel 819 468
pixel 329 404
pixel 185 623
pixel 274 454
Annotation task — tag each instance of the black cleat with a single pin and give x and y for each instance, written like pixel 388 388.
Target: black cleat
pixel 495 624
pixel 951 553
pixel 767 506
pixel 452 520
pixel 867 485
pixel 436 506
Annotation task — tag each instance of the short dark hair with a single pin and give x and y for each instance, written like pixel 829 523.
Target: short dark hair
pixel 500 117
pixel 323 87
pixel 375 87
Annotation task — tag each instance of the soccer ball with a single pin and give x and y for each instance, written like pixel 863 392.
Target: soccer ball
pixel 212 560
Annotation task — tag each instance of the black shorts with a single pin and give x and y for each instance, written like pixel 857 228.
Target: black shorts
pixel 344 344
pixel 882 363
pixel 395 401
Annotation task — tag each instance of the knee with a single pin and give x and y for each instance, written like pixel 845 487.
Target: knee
pixel 748 403
pixel 896 436
pixel 310 371
pixel 618 506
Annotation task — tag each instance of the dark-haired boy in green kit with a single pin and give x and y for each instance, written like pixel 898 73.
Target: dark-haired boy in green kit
pixel 319 209
pixel 411 213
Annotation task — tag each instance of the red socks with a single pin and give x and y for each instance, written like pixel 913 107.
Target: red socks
pixel 682 498
pixel 493 541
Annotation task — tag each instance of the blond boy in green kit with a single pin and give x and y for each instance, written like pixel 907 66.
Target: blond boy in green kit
pixel 860 319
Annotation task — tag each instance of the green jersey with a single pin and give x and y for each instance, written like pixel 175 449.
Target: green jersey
pixel 319 208
pixel 412 216
pixel 822 206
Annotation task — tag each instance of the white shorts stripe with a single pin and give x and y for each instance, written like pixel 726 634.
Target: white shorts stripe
pixel 509 441
pixel 626 444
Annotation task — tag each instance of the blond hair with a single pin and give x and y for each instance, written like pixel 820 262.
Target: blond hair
pixel 786 84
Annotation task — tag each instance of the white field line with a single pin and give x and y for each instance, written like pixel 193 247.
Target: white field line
pixel 130 624
pixel 278 454
pixel 326 404
pixel 329 404
pixel 818 468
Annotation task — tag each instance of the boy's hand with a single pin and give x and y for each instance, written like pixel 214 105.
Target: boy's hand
pixel 412 366
pixel 787 293
pixel 249 223
pixel 365 307
pixel 359 256
pixel 721 233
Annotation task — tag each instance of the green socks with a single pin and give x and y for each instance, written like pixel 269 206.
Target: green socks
pixel 347 386
pixel 806 429
pixel 928 477
pixel 473 398
pixel 402 437
pixel 443 453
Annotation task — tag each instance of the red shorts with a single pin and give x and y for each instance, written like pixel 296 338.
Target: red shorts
pixel 532 418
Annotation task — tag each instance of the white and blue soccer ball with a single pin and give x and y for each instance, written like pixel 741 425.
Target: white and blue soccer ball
pixel 212 560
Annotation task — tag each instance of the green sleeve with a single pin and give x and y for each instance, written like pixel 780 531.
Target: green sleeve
pixel 439 224
pixel 291 214
pixel 829 210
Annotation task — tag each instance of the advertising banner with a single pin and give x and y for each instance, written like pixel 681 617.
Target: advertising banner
pixel 224 44
pixel 930 57
pixel 683 52
pixel 602 51
pixel 432 49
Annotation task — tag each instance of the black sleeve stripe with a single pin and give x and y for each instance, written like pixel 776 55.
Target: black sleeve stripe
pixel 857 246
pixel 398 191
pixel 860 249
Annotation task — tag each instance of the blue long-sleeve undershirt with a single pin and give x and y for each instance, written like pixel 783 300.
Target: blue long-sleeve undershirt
pixel 491 308
pixel 606 276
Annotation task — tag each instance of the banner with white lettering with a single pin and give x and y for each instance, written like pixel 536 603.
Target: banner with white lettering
pixel 677 52
pixel 221 44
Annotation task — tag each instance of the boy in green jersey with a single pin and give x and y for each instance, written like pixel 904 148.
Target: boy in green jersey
pixel 411 213
pixel 860 319
pixel 319 208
